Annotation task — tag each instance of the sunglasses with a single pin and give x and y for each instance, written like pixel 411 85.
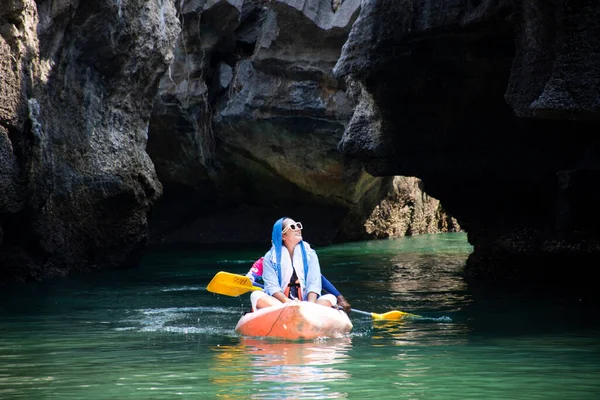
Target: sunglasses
pixel 293 227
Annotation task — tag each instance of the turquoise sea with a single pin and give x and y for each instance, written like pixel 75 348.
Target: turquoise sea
pixel 155 332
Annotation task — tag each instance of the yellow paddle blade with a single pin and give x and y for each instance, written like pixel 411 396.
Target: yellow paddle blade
pixel 393 315
pixel 230 284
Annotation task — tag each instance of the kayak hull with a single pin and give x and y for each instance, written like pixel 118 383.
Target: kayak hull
pixel 294 321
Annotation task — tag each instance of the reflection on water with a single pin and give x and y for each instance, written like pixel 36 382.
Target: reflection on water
pixel 429 282
pixel 156 333
pixel 267 354
pixel 415 332
pixel 269 363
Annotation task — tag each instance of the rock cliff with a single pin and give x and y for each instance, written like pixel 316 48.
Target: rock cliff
pixel 229 105
pixel 246 128
pixel 77 84
pixel 495 105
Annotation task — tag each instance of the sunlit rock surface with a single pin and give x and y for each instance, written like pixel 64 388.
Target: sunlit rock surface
pixel 408 210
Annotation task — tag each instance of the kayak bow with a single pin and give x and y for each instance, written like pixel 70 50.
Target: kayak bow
pixel 295 320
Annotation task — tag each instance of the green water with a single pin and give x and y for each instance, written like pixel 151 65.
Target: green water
pixel 156 333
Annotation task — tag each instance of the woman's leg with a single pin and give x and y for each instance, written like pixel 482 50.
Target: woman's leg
pixel 327 300
pixel 256 298
pixel 260 299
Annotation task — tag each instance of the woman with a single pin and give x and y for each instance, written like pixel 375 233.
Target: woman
pixel 256 276
pixel 291 269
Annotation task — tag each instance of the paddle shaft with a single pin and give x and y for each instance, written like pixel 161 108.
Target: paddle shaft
pixel 361 312
pixel 390 315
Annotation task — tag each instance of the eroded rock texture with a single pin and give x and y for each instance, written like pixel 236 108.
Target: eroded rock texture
pixel 408 210
pixel 77 83
pixel 495 105
pixel 246 127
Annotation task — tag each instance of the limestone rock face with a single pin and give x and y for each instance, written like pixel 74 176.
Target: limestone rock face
pixel 77 83
pixel 244 129
pixel 247 123
pixel 408 210
pixel 555 72
pixel 495 106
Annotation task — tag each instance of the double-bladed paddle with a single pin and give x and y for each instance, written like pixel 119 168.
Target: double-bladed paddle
pixel 230 284
pixel 235 285
pixel 388 315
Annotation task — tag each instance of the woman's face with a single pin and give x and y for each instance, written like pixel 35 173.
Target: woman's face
pixel 291 231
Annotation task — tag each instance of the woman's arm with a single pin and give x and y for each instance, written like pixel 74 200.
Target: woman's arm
pixel 281 297
pixel 256 272
pixel 312 297
pixel 328 287
pixel 271 280
pixel 313 280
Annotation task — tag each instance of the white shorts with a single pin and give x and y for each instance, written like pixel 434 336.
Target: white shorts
pixel 257 294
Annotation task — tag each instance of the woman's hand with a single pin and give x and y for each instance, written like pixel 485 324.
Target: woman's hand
pixel 281 297
pixel 342 302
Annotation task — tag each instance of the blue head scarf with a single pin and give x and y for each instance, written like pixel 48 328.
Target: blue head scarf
pixel 277 240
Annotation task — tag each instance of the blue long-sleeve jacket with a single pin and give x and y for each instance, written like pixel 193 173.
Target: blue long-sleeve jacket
pixel 328 287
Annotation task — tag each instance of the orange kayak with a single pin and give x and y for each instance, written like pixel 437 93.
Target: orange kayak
pixel 295 320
